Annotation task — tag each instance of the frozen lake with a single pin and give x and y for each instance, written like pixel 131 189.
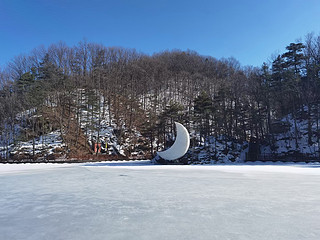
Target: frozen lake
pixel 142 201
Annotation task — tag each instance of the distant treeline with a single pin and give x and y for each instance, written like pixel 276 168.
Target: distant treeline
pixel 211 96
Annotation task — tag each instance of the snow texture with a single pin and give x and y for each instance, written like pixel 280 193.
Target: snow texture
pixel 137 200
pixel 295 139
pixel 95 120
pixel 218 150
pixel 97 123
pixel 45 143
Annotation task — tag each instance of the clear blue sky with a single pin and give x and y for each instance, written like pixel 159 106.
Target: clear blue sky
pixel 249 30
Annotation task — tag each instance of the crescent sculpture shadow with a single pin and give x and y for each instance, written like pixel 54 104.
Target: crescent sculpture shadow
pixel 179 147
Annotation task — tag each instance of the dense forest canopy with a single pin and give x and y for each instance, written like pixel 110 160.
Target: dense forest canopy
pixel 211 97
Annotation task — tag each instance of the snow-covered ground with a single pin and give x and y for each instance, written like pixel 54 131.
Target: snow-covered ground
pixel 138 200
pixel 286 142
pixel 97 123
pixel 46 143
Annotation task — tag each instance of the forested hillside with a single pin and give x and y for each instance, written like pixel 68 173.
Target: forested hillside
pixel 128 101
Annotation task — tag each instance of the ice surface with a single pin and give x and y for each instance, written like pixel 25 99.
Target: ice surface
pixel 137 200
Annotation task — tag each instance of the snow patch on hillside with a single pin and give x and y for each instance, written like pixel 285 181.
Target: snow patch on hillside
pixel 294 138
pixel 96 122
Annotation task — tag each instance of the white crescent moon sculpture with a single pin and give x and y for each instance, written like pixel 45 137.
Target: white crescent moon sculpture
pixel 180 145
